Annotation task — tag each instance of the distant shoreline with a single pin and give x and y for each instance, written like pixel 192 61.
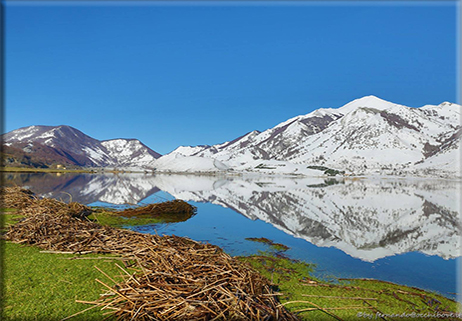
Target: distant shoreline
pixel 6 169
pixel 59 170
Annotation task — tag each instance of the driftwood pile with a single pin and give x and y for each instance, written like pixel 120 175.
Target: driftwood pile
pixel 30 205
pixel 173 207
pixel 177 278
pixel 168 211
pixel 16 197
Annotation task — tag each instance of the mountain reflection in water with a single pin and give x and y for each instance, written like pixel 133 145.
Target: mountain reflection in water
pixel 368 219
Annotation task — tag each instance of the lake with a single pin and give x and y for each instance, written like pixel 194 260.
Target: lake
pixel 406 231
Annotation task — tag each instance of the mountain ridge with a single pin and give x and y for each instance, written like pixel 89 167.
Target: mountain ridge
pixel 68 146
pixel 367 135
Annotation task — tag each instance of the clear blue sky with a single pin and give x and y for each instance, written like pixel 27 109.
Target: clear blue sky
pixel 204 73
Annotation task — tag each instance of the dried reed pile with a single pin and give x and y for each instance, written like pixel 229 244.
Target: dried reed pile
pixel 157 209
pixel 175 278
pixel 185 280
pixel 29 204
pixel 16 197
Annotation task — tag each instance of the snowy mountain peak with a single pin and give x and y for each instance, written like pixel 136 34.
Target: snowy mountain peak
pixel 68 146
pixel 367 101
pixel 366 135
pixel 188 150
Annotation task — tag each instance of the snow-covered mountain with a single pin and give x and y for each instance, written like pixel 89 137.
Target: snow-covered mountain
pixel 367 135
pixel 69 146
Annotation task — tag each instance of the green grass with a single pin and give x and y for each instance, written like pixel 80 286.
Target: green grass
pixel 8 210
pixel 305 295
pixel 44 286
pixel 274 246
pixel 328 171
pixel 8 217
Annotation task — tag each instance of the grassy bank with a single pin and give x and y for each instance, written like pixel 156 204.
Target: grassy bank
pixel 45 286
pixel 314 299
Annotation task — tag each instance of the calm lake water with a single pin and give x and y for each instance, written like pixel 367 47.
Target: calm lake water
pixel 406 231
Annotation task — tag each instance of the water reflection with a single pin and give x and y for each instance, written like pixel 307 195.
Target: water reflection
pixel 87 188
pixel 368 219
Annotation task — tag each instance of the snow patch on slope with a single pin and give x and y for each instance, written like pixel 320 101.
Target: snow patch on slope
pixel 180 163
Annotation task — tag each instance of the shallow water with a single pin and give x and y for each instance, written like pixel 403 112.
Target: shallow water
pixel 399 230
